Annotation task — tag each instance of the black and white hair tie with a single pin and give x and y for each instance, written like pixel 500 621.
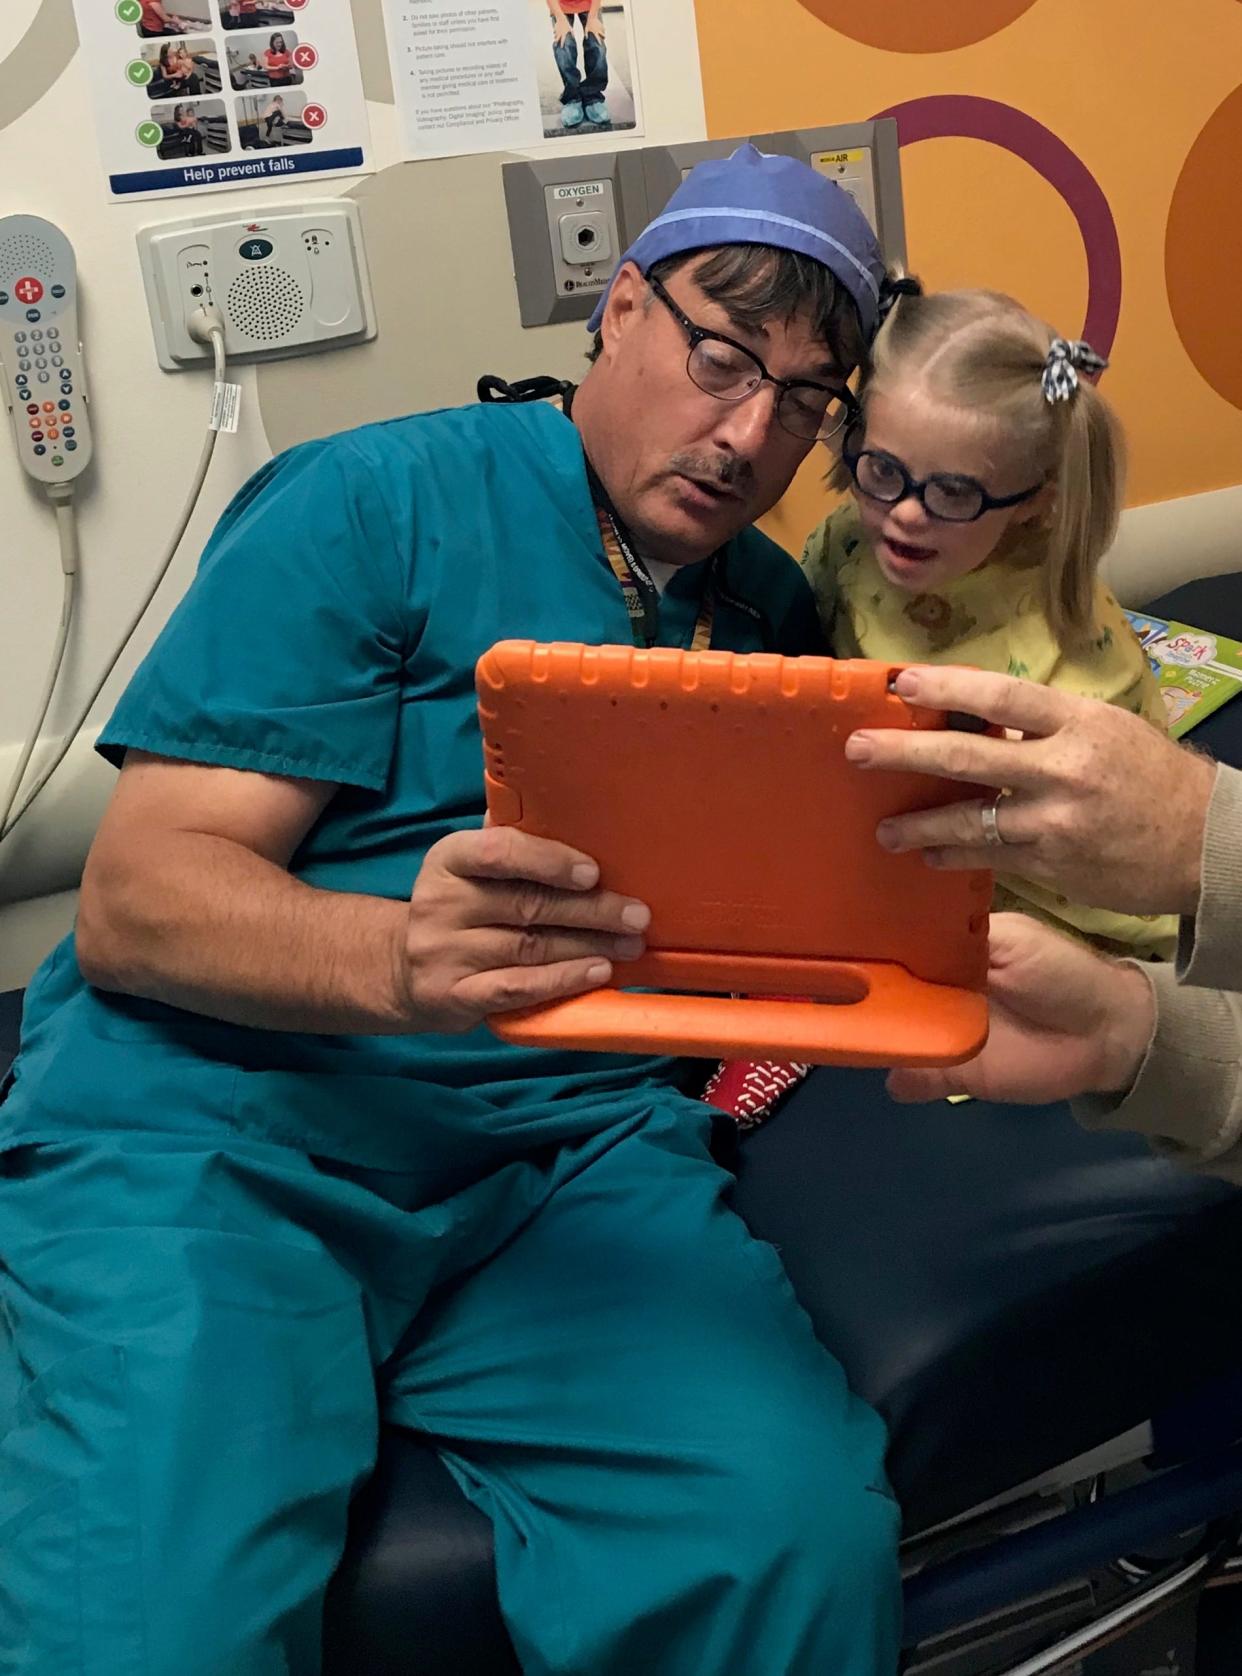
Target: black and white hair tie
pixel 1066 359
pixel 893 288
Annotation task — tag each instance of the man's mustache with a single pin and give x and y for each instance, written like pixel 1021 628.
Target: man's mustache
pixel 726 470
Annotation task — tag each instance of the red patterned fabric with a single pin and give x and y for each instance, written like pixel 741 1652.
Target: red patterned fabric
pixel 748 1089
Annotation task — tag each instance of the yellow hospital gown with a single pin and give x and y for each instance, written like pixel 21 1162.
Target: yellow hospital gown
pixel 992 619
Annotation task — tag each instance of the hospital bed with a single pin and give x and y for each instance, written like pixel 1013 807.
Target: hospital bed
pixel 1050 1323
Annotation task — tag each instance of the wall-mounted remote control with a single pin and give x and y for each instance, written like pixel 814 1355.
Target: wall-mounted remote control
pixel 40 355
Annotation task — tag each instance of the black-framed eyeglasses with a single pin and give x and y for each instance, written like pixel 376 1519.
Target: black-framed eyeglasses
pixel 729 371
pixel 943 495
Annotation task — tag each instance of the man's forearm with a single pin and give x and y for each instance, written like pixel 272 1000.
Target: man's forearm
pixel 209 926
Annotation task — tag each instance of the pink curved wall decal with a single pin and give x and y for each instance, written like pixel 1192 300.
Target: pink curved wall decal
pixel 966 116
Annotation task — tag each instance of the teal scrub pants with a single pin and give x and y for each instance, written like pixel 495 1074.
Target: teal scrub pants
pixel 198 1341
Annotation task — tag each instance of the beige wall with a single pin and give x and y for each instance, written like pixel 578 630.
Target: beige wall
pixel 443 320
pixel 439 255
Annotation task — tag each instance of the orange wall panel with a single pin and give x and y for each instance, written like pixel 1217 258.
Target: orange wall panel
pixel 1146 97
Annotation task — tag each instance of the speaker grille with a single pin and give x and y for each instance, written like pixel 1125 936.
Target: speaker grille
pixel 266 303
pixel 24 253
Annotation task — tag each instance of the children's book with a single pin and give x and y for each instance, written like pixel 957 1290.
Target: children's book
pixel 1197 671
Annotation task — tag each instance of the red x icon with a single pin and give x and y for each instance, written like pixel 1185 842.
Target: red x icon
pixel 28 290
pixel 305 57
pixel 314 116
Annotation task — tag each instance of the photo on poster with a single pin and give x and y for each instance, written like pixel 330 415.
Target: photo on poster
pixel 168 89
pixel 585 66
pixel 181 68
pixel 156 19
pixel 254 14
pixel 192 128
pixel 269 120
pixel 268 61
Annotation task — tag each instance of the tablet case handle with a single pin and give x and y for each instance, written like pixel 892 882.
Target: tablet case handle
pixel 935 1024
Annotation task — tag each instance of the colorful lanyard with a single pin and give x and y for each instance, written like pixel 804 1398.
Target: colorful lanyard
pixel 641 596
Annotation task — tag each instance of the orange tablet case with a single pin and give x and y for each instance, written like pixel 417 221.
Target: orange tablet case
pixel 714 787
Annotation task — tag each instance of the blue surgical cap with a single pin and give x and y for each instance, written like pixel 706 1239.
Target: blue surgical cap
pixel 754 198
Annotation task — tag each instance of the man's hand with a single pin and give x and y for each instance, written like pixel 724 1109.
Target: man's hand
pixel 1064 1022
pixel 595 23
pixel 1103 807
pixel 561 26
pixel 499 920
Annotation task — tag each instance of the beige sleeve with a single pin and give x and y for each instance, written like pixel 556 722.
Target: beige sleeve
pixel 1210 949
pixel 1187 1097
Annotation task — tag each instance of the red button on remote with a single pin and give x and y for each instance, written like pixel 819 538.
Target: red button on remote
pixel 28 290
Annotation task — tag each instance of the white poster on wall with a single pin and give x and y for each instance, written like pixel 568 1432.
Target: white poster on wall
pixel 503 75
pixel 200 95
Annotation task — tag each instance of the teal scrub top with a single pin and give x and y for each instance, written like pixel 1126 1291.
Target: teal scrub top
pixel 331 634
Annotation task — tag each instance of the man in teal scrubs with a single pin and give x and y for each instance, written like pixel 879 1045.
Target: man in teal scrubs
pixel 265 1176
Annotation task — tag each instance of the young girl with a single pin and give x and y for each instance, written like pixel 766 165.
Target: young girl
pixel 986 479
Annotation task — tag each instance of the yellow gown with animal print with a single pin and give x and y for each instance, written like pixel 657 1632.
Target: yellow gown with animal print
pixel 991 618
